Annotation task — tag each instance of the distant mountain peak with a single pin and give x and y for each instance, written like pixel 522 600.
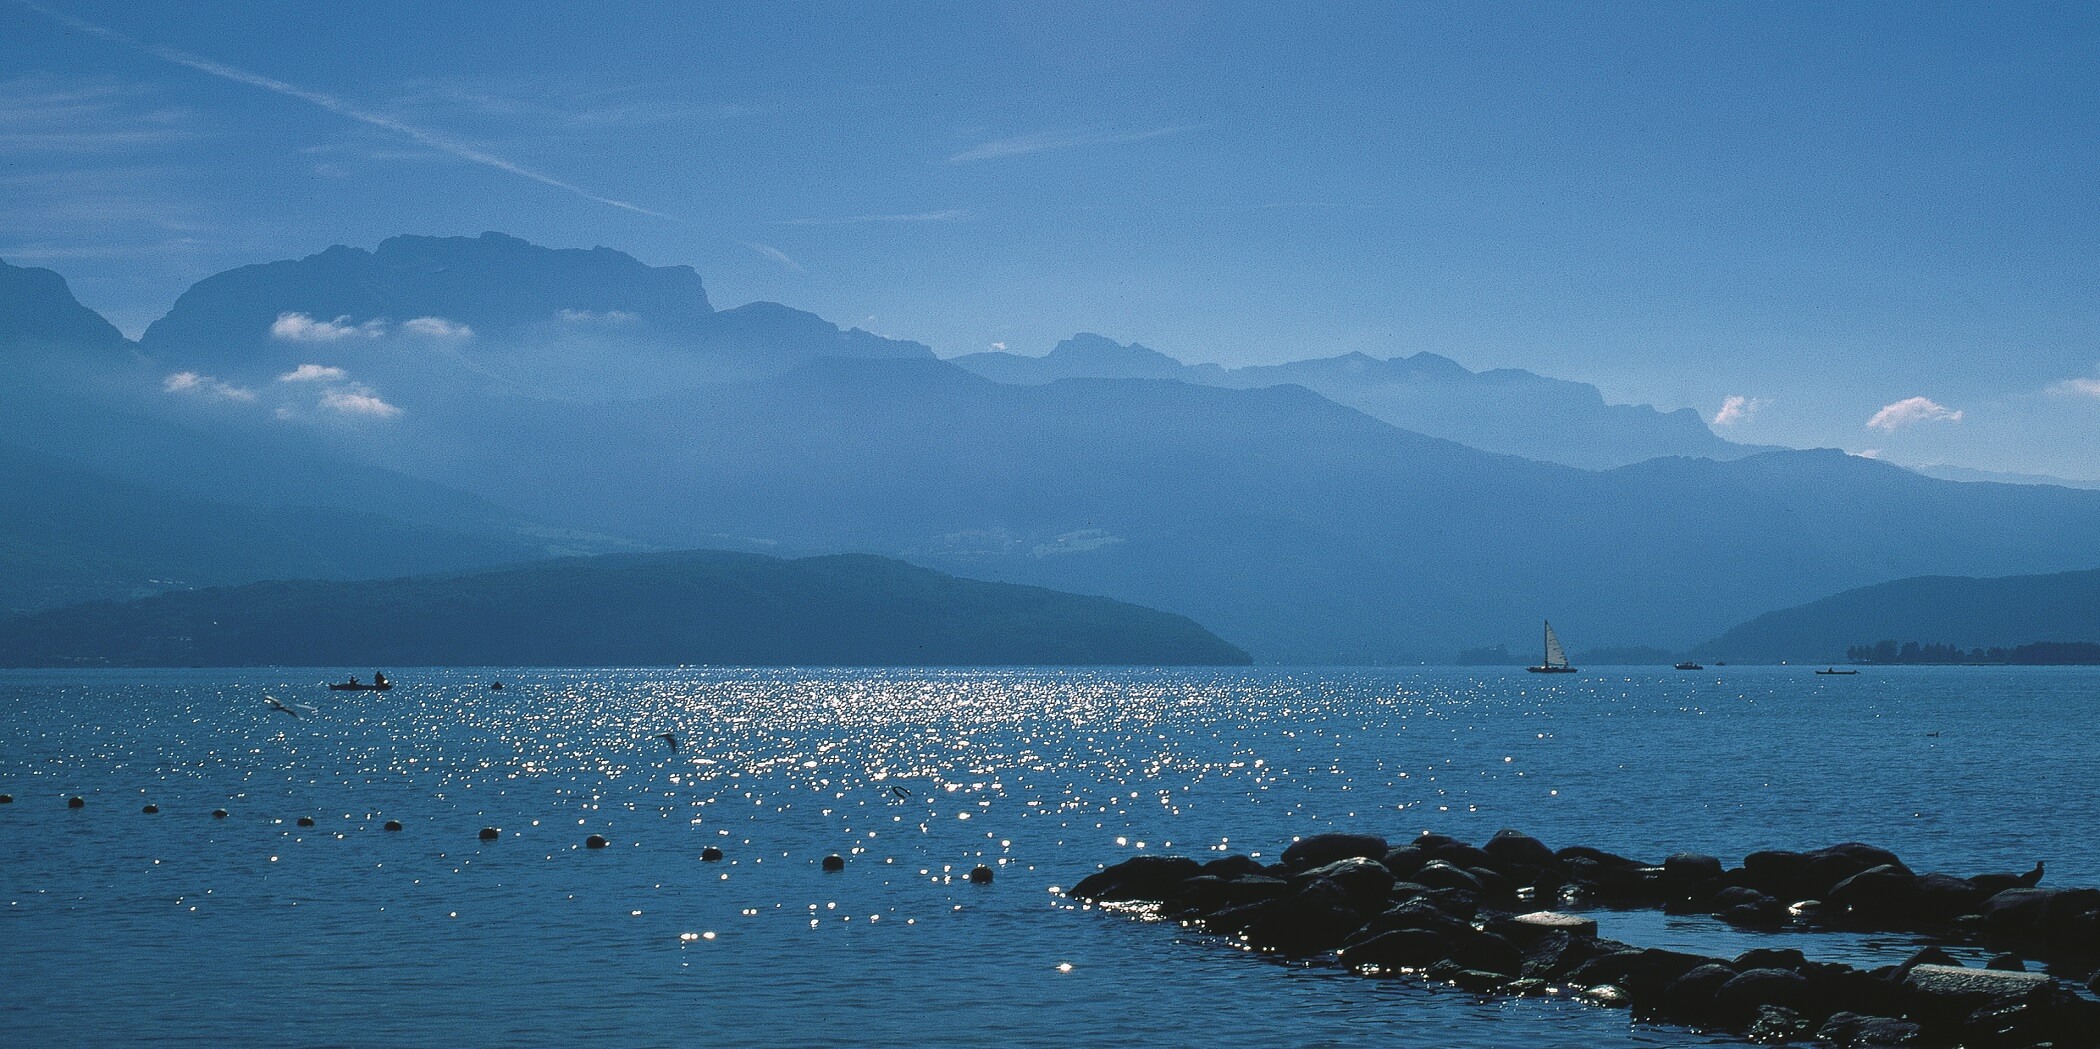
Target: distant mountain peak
pixel 37 309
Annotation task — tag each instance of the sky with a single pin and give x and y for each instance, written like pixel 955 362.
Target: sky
pixel 1866 226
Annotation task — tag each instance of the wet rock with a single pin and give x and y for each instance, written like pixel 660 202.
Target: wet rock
pixel 1146 878
pixel 1771 958
pixel 1778 1025
pixel 1683 870
pixel 1479 981
pixel 2051 1015
pixel 1458 903
pixel 1396 950
pixel 1826 867
pixel 305 821
pixel 834 863
pixel 1493 886
pixel 1611 877
pixel 1761 913
pixel 1606 995
pixel 2006 963
pixel 218 814
pixel 1556 954
pixel 7 799
pixel 391 825
pixel 1945 995
pixel 1416 915
pixel 1525 987
pixel 1927 956
pixel 1365 882
pixel 1235 866
pixel 1436 874
pixel 1525 929
pixel 710 854
pixel 1206 895
pixel 2015 916
pixel 1941 898
pixel 1405 860
pixel 1315 919
pixel 1322 849
pixel 1513 847
pixel 1776 872
pixel 1853 1029
pixel 595 841
pixel 490 833
pixel 1429 842
pixel 1992 884
pixel 149 808
pixel 76 802
pixel 1883 896
pixel 980 875
pixel 1689 999
pixel 1737 1001
pixel 1648 970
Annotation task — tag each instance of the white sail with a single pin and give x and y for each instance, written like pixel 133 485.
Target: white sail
pixel 1556 656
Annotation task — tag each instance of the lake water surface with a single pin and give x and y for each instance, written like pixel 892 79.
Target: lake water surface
pixel 117 926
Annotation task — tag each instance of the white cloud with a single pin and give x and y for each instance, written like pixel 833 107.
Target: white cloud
pixel 313 373
pixel 358 402
pixel 775 254
pixel 2078 388
pixel 596 317
pixel 1737 408
pixel 438 328
pixel 1910 411
pixel 998 346
pixel 1040 142
pixel 204 385
pixel 298 327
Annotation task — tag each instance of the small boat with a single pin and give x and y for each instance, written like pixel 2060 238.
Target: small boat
pixel 379 684
pixel 1556 661
pixel 1836 671
pixel 1689 666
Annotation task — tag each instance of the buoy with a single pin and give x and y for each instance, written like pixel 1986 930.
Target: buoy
pixel 393 825
pixel 595 841
pixel 980 875
pixel 150 809
pixel 490 834
pixel 710 854
pixel 834 862
pixel 218 814
pixel 76 802
pixel 306 821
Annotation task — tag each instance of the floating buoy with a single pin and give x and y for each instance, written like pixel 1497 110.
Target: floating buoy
pixel 218 814
pixel 76 802
pixel 490 834
pixel 393 825
pixel 306 821
pixel 595 841
pixel 834 862
pixel 980 875
pixel 710 854
pixel 150 809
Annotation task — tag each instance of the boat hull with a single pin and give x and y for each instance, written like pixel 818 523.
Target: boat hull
pixel 1551 670
pixel 359 688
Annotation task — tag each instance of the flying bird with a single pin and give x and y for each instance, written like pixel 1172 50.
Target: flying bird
pixel 669 738
pixel 293 710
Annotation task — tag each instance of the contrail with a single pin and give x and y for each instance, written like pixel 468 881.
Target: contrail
pixel 336 106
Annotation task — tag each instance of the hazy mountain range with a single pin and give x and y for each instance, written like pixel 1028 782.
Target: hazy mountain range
pixel 1504 410
pixel 1947 610
pixel 481 400
pixel 620 610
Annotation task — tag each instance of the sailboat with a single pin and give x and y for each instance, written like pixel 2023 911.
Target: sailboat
pixel 1556 661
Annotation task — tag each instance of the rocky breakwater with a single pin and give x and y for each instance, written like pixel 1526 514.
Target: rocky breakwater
pixel 1478 918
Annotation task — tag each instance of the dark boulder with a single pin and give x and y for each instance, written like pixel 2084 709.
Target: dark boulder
pixel 1315 919
pixel 1611 879
pixel 1512 847
pixel 1234 866
pixel 2007 963
pixel 391 825
pixel 1322 849
pixel 2015 916
pixel 1777 1025
pixel 1597 856
pixel 1771 958
pixel 1429 842
pixel 1523 929
pixel 595 841
pixel 1852 1029
pixel 833 863
pixel 2051 1015
pixel 1638 971
pixel 1941 898
pixel 980 875
pixel 1396 949
pixel 1206 894
pixel 1943 996
pixel 1139 878
pixel 1465 856
pixel 1458 903
pixel 1776 872
pixel 1437 874
pixel 1493 886
pixel 1406 860
pixel 1684 870
pixel 1479 981
pixel 1554 955
pixel 711 854
pixel 1883 897
pixel 1365 882
pixel 1826 867
pixel 1934 955
pixel 1414 915
pixel 1689 999
pixel 1992 884
pixel 1736 1002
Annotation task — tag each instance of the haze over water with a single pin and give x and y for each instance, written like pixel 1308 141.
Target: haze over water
pixel 121 926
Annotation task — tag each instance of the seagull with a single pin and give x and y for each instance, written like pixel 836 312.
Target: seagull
pixel 294 710
pixel 669 738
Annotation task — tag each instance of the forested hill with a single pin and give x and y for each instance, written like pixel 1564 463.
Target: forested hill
pixel 1965 613
pixel 699 607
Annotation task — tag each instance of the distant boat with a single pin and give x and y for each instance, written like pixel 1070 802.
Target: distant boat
pixel 1689 666
pixel 379 684
pixel 1834 670
pixel 1556 661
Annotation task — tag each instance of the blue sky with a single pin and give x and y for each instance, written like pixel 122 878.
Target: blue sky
pixel 1824 210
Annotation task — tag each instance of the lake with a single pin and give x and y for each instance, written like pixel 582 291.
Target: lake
pixel 118 926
